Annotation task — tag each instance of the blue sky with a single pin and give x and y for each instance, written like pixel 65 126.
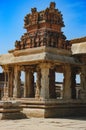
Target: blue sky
pixel 12 14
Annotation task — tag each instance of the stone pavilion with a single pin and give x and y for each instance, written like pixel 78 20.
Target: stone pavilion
pixel 44 50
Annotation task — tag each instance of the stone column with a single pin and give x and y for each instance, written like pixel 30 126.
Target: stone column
pixel 78 89
pixel 10 82
pixel 5 86
pixel 83 83
pixel 29 83
pixel 25 84
pixel 17 82
pixel 67 82
pixel 44 93
pixel 5 93
pixel 38 84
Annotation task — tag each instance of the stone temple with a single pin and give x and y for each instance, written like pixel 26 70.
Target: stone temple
pixel 43 50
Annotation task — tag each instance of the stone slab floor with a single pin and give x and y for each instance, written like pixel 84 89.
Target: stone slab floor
pixel 44 124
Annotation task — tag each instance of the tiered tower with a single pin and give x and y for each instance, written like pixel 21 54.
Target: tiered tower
pixel 43 29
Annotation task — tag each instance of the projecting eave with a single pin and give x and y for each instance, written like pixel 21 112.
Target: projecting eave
pixel 61 59
pixel 10 59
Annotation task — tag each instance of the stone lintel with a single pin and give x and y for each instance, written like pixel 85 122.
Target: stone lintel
pixel 27 68
pixel 45 65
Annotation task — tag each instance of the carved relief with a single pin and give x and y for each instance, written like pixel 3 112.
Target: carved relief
pixel 17 45
pixel 50 14
pixel 32 18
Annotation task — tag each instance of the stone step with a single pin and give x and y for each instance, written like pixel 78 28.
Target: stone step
pixel 11 110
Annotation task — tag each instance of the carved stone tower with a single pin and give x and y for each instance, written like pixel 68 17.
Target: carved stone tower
pixel 43 29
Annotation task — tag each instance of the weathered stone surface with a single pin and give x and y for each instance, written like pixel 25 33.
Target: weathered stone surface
pixel 12 116
pixel 54 108
pixel 79 48
pixel 45 53
pixel 11 110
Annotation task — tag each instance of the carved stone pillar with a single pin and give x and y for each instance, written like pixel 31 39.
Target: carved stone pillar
pixel 10 82
pixel 38 84
pixel 5 86
pixel 25 84
pixel 6 89
pixel 83 83
pixel 83 78
pixel 44 81
pixel 29 83
pixel 67 82
pixel 46 89
pixel 17 82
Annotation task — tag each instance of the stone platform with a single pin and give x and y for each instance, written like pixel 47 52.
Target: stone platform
pixel 11 110
pixel 53 108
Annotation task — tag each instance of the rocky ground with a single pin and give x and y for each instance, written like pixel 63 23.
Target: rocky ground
pixel 44 124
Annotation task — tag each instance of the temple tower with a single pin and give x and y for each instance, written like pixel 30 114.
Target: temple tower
pixel 43 29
